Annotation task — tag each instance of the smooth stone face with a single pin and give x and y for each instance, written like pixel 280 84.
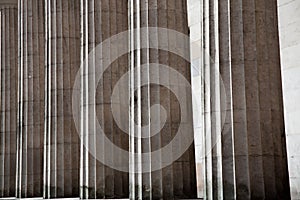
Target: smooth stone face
pixel 8 100
pixel 289 21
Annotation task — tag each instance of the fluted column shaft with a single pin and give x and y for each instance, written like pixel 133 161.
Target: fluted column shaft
pixel 8 97
pixel 176 180
pixel 198 55
pixel 101 20
pixel 31 98
pixel 61 175
pixel 244 129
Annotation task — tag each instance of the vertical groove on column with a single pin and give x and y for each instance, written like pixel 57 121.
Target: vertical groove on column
pixel 155 141
pixel 136 98
pixel 88 164
pixel 8 99
pixel 62 139
pixel 239 101
pixel 145 95
pixel 125 60
pixel 31 99
pixel 215 114
pixel 212 100
pixel 142 99
pixel 252 99
pixel 228 163
pixel 83 154
pixel 100 21
pixel 206 104
pixel 107 30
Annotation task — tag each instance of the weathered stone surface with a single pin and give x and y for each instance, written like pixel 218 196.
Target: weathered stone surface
pixel 101 20
pixel 8 97
pixel 178 179
pixel 31 98
pixel 61 156
pixel 244 131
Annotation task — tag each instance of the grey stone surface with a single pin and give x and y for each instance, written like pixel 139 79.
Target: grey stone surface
pixel 31 99
pixel 62 149
pixel 178 179
pixel 14 3
pixel 101 20
pixel 239 136
pixel 246 157
pixel 8 97
pixel 289 29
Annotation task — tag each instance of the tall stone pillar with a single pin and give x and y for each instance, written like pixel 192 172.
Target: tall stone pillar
pixel 159 23
pixel 101 20
pixel 8 96
pixel 243 126
pixel 195 8
pixel 61 166
pixel 31 98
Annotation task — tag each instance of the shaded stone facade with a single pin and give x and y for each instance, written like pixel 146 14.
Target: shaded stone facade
pixel 49 148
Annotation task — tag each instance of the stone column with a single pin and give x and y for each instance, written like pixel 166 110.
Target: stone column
pixel 61 166
pixel 31 98
pixel 243 126
pixel 176 180
pixel 8 96
pixel 195 10
pixel 289 23
pixel 100 20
